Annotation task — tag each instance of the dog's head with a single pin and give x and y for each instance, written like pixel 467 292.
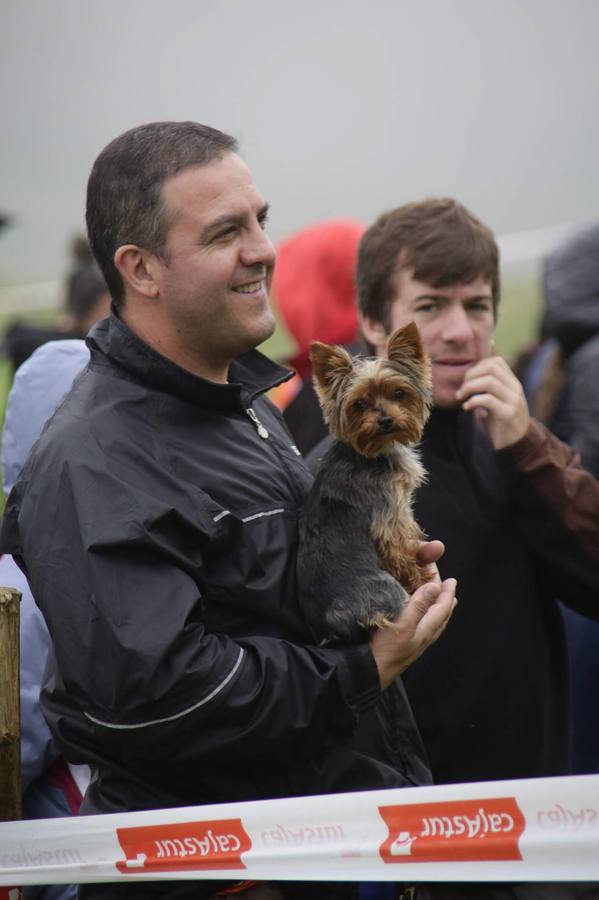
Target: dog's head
pixel 374 403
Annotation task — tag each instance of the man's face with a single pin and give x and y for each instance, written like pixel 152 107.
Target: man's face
pixel 213 286
pixel 455 323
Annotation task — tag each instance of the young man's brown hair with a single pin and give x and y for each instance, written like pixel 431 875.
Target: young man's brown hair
pixel 438 238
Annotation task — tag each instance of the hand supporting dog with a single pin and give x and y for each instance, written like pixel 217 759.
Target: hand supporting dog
pixel 420 623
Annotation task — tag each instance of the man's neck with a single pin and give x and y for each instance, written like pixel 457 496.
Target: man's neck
pixel 163 341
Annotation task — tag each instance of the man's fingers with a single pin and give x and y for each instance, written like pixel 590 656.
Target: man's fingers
pixel 430 551
pixel 422 600
pixel 437 614
pixel 491 365
pixel 443 609
pixel 489 402
pixel 486 384
pixel 432 602
pixel 434 620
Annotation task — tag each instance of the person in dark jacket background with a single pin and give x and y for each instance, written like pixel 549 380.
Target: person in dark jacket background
pixel 561 379
pixel 156 522
pixel 518 515
pixel 571 320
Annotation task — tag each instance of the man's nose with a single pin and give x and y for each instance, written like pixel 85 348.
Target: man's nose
pixel 258 249
pixel 456 324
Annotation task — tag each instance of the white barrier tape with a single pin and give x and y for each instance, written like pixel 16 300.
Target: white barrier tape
pixel 544 829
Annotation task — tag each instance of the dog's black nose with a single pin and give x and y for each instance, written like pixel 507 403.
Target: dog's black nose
pixel 386 423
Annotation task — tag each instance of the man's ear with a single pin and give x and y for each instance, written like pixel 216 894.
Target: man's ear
pixel 329 363
pixel 405 342
pixel 375 334
pixel 138 269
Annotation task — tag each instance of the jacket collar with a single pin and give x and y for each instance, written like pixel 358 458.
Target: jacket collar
pixel 250 375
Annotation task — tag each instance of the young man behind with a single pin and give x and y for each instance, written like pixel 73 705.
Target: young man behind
pixel 516 512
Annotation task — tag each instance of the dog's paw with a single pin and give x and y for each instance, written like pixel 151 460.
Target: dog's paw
pixel 383 614
pixel 372 602
pixel 343 626
pixel 379 621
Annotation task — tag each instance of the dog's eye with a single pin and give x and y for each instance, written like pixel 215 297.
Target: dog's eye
pixel 399 394
pixel 360 405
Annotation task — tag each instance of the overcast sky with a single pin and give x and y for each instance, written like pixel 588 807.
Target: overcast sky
pixel 341 107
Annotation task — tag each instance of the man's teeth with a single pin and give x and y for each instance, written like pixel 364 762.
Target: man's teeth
pixel 248 288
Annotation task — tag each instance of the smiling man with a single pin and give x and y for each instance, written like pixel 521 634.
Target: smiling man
pixel 517 514
pixel 156 521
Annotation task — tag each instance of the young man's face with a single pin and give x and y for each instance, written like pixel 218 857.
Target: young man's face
pixel 456 326
pixel 219 262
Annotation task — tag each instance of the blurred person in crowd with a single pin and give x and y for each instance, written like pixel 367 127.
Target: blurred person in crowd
pixel 561 380
pixel 516 511
pixel 87 297
pixel 50 786
pixel 571 324
pixel 313 289
pixel 86 301
pixel 168 487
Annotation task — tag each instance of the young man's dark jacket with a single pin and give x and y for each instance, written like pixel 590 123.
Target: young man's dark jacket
pixel 520 527
pixel 156 521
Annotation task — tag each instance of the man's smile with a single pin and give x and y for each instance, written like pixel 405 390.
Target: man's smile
pixel 250 287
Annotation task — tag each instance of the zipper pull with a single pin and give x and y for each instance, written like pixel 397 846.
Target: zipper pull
pixel 259 426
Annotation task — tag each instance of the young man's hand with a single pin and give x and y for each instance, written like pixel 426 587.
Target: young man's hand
pixel 493 391
pixel 420 623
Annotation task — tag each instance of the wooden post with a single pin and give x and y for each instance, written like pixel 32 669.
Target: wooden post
pixel 10 732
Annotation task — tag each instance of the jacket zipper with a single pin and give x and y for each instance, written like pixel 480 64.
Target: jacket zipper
pixel 259 426
pixel 263 432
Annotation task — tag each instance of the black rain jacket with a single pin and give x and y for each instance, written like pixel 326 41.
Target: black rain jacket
pixel 156 522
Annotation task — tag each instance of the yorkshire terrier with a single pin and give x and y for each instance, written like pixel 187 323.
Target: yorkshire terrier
pixel 358 540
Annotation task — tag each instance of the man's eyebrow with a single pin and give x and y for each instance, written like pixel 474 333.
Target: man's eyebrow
pixel 234 219
pixel 428 296
pixel 441 296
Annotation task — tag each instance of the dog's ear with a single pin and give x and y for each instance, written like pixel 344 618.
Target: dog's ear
pixel 405 342
pixel 329 364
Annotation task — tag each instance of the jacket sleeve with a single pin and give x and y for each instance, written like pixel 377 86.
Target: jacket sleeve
pixel 110 565
pixel 557 506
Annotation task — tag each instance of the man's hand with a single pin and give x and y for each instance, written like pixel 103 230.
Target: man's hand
pixel 493 391
pixel 420 623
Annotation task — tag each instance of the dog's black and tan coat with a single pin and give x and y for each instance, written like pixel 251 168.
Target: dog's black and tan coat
pixel 357 558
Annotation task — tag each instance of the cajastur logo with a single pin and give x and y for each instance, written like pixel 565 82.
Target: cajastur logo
pixel 187 845
pixel 460 830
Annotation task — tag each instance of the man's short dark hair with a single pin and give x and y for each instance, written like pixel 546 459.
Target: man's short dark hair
pixel 124 191
pixel 438 238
